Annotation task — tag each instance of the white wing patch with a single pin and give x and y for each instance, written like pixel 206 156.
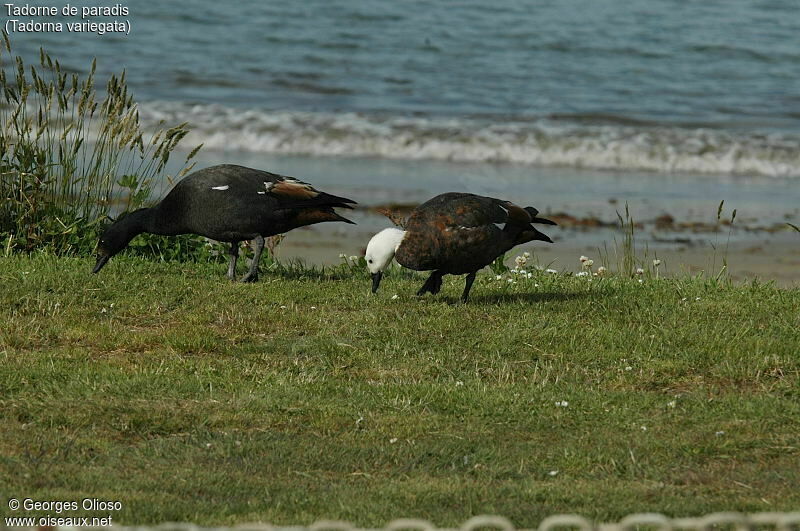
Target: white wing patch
pixel 268 186
pixel 221 188
pixel 460 227
pixel 500 226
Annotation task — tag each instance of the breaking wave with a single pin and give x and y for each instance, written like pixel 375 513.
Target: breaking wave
pixel 542 142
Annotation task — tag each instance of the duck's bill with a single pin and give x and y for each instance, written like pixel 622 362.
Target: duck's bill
pixel 101 261
pixel 376 281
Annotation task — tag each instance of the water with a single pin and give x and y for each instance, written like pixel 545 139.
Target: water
pixel 671 87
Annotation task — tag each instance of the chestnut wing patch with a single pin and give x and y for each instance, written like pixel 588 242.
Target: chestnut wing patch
pixel 516 213
pixel 291 189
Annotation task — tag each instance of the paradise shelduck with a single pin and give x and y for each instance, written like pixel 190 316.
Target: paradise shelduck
pixel 453 233
pixel 227 203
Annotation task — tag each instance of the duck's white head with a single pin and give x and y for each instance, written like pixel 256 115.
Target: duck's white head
pixel 380 251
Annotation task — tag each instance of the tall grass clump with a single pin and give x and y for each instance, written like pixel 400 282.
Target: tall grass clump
pixel 723 272
pixel 69 156
pixel 626 251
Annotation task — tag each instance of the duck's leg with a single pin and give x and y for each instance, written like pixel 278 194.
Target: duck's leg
pixel 468 286
pixel 432 285
pixel 234 254
pixel 258 246
pixel 437 287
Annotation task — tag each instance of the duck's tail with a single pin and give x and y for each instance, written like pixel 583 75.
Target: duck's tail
pixel 535 219
pixel 309 216
pixel 529 232
pixel 342 218
pixel 323 200
pixel 335 201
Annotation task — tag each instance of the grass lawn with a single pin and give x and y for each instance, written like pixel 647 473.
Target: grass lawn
pixel 302 397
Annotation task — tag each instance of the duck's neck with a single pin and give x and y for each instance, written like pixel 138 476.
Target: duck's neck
pixel 395 237
pixel 150 220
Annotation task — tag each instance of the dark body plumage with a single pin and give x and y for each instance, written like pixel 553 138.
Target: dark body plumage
pixel 227 203
pixel 458 233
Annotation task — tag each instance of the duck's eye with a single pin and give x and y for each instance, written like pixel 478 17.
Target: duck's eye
pixel 370 261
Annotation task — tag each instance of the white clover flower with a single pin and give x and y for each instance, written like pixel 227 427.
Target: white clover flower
pixel 644 428
pixel 587 264
pixel 641 281
pixel 583 258
pixel 639 271
pixel 551 271
pixel 656 262
pixel 313 307
pixel 354 259
pixel 343 256
pixel 562 403
pixel 393 440
pixel 395 297
pixel 553 473
pixel 582 274
pixel 601 270
pixel 671 404
pixel 530 275
pixel 526 255
pixel 512 281
pixel 499 277
pixel 520 261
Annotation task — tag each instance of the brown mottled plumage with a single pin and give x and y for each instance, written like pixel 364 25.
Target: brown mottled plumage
pixel 458 233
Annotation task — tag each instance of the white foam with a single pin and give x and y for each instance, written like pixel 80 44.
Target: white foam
pixel 540 143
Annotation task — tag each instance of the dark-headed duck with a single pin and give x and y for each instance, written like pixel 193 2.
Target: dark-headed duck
pixel 227 203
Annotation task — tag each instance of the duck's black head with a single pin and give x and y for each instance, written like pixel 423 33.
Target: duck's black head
pixel 116 237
